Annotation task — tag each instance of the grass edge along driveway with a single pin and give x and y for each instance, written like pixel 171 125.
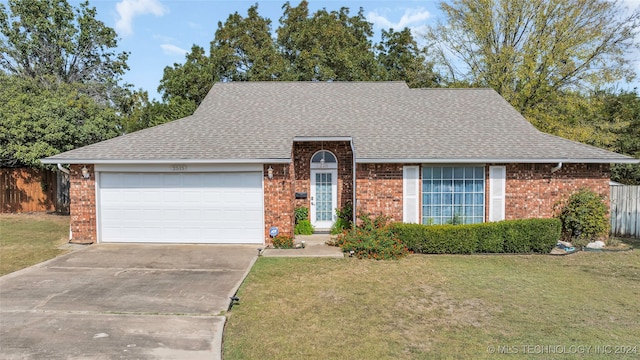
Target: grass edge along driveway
pixel 446 306
pixel 28 239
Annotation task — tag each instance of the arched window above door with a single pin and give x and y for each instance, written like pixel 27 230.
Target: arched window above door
pixel 324 159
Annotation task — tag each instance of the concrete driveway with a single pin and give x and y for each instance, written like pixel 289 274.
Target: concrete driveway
pixel 113 301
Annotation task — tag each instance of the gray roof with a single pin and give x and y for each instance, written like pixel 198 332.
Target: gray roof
pixel 386 121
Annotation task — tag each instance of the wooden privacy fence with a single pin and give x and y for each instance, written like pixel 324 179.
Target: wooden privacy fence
pixel 625 210
pixel 33 190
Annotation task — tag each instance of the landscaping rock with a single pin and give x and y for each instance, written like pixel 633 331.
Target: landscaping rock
pixel 558 251
pixel 596 245
pixel 565 243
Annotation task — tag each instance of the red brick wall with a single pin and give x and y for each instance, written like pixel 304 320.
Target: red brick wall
pixel 302 153
pixel 83 205
pixel 532 191
pixel 278 200
pixel 379 189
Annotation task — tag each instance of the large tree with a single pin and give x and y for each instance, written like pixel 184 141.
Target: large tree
pixel 190 81
pixel 328 45
pixel 140 113
pixel 59 80
pixel 49 40
pixel 624 108
pixel 401 59
pixel 323 46
pixel 529 50
pixel 243 49
pixel 38 121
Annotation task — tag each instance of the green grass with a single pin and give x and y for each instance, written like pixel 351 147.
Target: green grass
pixel 442 306
pixel 28 239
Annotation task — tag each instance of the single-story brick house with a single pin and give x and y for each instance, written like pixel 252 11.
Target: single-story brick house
pixel 254 151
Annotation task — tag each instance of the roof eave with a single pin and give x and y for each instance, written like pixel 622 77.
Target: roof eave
pixel 496 160
pixel 165 161
pixel 358 160
pixel 322 138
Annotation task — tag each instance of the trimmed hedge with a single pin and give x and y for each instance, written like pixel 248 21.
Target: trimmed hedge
pixel 510 236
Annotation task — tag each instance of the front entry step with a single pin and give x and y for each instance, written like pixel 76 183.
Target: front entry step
pixel 315 246
pixel 315 238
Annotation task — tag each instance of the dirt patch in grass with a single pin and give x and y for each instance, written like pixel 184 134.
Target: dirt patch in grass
pixel 28 239
pixel 434 306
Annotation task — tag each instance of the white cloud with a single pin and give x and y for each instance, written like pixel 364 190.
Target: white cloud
pixel 379 20
pixel 410 18
pixel 129 9
pixel 171 49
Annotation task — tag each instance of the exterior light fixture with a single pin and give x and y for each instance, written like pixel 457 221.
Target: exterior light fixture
pixel 85 172
pixel 270 172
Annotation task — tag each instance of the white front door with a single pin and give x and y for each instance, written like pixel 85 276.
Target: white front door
pixel 324 197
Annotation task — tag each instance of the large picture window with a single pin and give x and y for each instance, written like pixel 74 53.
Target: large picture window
pixel 452 194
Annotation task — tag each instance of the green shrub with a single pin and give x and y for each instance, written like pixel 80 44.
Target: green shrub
pixel 282 242
pixel 367 222
pixel 513 236
pixel 372 239
pixel 303 227
pixel 301 213
pixel 584 217
pixel 344 219
pixel 379 244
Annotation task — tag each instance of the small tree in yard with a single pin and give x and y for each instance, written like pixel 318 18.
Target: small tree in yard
pixel 584 217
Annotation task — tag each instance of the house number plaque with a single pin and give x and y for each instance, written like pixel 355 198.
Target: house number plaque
pixel 178 167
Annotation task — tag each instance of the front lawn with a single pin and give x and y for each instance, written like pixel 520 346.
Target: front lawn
pixel 28 239
pixel 584 305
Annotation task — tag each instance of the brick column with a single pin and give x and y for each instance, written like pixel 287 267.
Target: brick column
pixel 83 205
pixel 278 200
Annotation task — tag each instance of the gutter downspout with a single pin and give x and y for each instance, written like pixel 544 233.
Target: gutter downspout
pixel 556 168
pixel 68 174
pixel 63 169
pixel 353 207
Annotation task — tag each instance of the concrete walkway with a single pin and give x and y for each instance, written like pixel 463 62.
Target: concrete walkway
pixel 315 246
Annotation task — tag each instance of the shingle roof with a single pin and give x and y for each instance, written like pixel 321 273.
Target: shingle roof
pixel 387 122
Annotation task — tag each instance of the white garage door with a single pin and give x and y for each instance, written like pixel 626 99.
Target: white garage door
pixel 181 207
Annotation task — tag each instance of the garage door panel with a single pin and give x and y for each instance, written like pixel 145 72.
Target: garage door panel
pixel 181 208
pixel 151 196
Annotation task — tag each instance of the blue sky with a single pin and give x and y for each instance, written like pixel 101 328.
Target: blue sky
pixel 158 33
